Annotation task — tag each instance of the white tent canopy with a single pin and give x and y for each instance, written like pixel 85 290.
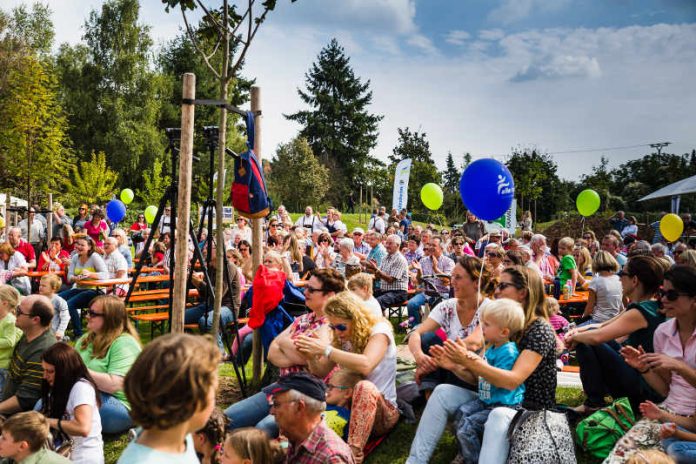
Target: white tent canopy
pixel 674 191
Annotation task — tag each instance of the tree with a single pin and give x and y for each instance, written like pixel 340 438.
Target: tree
pixel 452 207
pixel 337 124
pixel 34 146
pixel 536 180
pixel 415 145
pixel 92 182
pixel 155 182
pixel 297 191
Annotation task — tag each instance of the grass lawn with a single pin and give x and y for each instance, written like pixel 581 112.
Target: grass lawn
pixel 353 220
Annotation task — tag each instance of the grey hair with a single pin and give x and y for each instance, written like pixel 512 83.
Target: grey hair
pixel 659 247
pixel 396 238
pixel 314 406
pixel 346 243
pixel 537 238
pixel 15 229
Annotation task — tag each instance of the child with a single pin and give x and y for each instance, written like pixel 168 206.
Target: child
pixel 606 292
pixel 23 438
pixel 560 325
pixel 361 285
pixel 171 389
pixel 501 320
pixel 48 286
pixel 9 333
pixel 339 393
pixel 208 440
pixel 250 445
pixel 567 269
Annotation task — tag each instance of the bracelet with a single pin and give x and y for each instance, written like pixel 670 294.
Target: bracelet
pixel 645 371
pixel 328 350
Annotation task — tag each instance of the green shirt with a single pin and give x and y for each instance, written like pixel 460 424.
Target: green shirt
pixel 44 456
pixel 25 371
pixel 567 264
pixel 9 336
pixel 118 360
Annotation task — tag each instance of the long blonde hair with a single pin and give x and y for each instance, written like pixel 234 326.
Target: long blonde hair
pixel 10 295
pixel 346 305
pixel 116 323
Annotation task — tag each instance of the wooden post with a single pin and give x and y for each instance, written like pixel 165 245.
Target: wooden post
pixel 257 233
pixel 183 205
pixel 5 216
pixel 49 220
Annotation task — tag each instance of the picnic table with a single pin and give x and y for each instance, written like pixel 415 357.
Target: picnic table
pixel 112 282
pixel 579 297
pixel 37 274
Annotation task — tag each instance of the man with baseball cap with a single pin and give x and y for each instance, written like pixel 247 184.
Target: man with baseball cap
pixel 297 402
pixel 360 248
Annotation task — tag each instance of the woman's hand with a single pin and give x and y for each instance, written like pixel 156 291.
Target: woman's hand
pixel 310 346
pixel 426 362
pixel 632 356
pixel 458 353
pixel 651 411
pixel 668 430
pixel 661 361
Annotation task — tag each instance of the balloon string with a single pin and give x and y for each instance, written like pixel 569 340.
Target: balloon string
pixel 582 229
pixel 483 263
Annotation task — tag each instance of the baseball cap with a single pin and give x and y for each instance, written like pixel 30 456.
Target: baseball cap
pixel 359 230
pixel 299 381
pixel 495 233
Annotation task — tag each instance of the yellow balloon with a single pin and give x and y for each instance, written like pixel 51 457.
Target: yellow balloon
pixel 671 227
pixel 2 222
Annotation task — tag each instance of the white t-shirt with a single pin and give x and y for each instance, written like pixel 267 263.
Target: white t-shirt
pixel 384 374
pixel 61 315
pixel 89 449
pixel 136 453
pixel 609 297
pixel 445 314
pixel 377 224
pixel 373 305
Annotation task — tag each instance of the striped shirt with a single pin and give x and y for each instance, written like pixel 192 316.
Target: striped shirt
pixel 25 371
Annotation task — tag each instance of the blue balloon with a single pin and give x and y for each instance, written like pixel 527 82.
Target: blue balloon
pixel 487 188
pixel 115 210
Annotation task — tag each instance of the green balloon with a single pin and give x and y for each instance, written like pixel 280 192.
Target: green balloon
pixel 127 196
pixel 588 202
pixel 431 196
pixel 150 213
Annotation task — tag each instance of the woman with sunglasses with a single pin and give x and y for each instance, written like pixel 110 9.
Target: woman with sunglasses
pixel 535 367
pixel 109 349
pixel 365 344
pixel 603 371
pixel 670 370
pixel 247 265
pixel 81 217
pixel 139 225
pixel 494 259
pixel 325 253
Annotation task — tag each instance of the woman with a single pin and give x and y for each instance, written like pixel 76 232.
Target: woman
pixel 294 256
pixel 605 299
pixel 494 259
pixel 631 228
pixel 97 228
pixel 54 258
pixel 324 253
pixel 583 260
pixel 603 371
pixel 458 317
pixel 526 221
pixel 67 237
pixel 592 243
pixel 247 266
pixel 13 269
pixel 139 225
pixel 544 260
pixel 535 367
pixel 109 349
pixel 513 258
pixel 345 261
pixel 670 370
pixel 81 217
pixel 69 401
pixel 86 264
pixel 365 344
pixel 687 258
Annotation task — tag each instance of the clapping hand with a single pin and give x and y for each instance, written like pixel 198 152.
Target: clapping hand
pixel 668 430
pixel 650 410
pixel 661 361
pixel 632 356
pixel 310 345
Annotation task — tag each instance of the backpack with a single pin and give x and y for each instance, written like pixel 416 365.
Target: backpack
pixel 249 194
pixel 540 436
pixel 598 433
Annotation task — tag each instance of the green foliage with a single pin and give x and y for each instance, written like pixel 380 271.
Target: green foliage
pixel 34 28
pixel 337 124
pixel 453 208
pixel 297 178
pixel 536 182
pixel 155 182
pixel 92 182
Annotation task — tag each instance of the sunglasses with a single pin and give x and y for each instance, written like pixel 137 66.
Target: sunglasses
pixel 323 241
pixel 622 273
pixel 93 313
pixel 339 327
pixel 493 254
pixel 313 290
pixel 671 295
pixel 503 285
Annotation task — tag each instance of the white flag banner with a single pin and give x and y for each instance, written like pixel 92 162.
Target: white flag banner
pixel 400 196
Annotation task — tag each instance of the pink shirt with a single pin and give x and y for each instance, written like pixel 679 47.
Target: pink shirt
pixel 682 396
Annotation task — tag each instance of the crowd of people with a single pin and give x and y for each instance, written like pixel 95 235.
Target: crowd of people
pixel 483 320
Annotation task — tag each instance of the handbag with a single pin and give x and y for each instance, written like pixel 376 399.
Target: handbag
pixel 540 436
pixel 598 433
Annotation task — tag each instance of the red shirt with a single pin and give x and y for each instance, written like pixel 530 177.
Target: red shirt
pixel 45 260
pixel 138 226
pixel 95 231
pixel 26 249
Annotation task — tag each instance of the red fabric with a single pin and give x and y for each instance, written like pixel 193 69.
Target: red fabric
pixel 96 232
pixel 268 291
pixel 26 249
pixel 138 226
pixel 45 260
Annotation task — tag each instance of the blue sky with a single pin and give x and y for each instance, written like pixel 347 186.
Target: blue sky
pixel 481 76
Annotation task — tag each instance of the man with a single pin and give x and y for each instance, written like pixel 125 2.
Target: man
pixel 60 219
pixel 473 229
pixel 655 226
pixel 116 264
pixel 618 221
pixel 360 248
pixel 436 263
pixel 392 274
pixel 123 248
pixel 297 403
pixel 377 250
pixel 282 353
pixel 378 223
pixel 425 237
pixel 166 221
pixel 309 221
pixel 33 230
pixel 405 223
pixel 23 387
pixel 660 250
pixel 14 236
pixel 611 245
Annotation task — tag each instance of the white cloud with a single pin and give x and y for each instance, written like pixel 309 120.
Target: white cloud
pixel 457 37
pixel 511 11
pixel 491 34
pixel 423 43
pixel 558 67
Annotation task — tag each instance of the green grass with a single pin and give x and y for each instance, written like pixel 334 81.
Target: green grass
pixel 353 220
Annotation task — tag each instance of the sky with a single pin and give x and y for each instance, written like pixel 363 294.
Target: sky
pixel 579 79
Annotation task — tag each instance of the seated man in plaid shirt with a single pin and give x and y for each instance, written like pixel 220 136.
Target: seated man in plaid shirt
pixel 392 274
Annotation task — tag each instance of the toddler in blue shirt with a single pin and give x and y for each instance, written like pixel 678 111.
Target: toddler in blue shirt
pixel 501 320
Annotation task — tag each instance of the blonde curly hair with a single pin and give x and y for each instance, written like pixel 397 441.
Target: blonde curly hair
pixel 347 306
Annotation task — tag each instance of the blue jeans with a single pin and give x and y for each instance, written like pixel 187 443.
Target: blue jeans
pixel 78 298
pixel 684 452
pixel 443 403
pixel 253 412
pixel 414 305
pixel 196 315
pixel 470 429
pixel 114 415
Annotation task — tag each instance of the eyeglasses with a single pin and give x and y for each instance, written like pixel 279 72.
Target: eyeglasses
pixel 330 387
pixel 20 313
pixel 278 226
pixel 671 294
pixel 93 313
pixel 493 254
pixel 339 327
pixel 623 273
pixel 82 209
pixel 503 285
pixel 313 290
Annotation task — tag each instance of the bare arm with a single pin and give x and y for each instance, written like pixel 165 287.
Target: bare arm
pixel 10 406
pixel 282 352
pixel 81 426
pixel 364 362
pixel 627 323
pixel 108 383
pixel 591 301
